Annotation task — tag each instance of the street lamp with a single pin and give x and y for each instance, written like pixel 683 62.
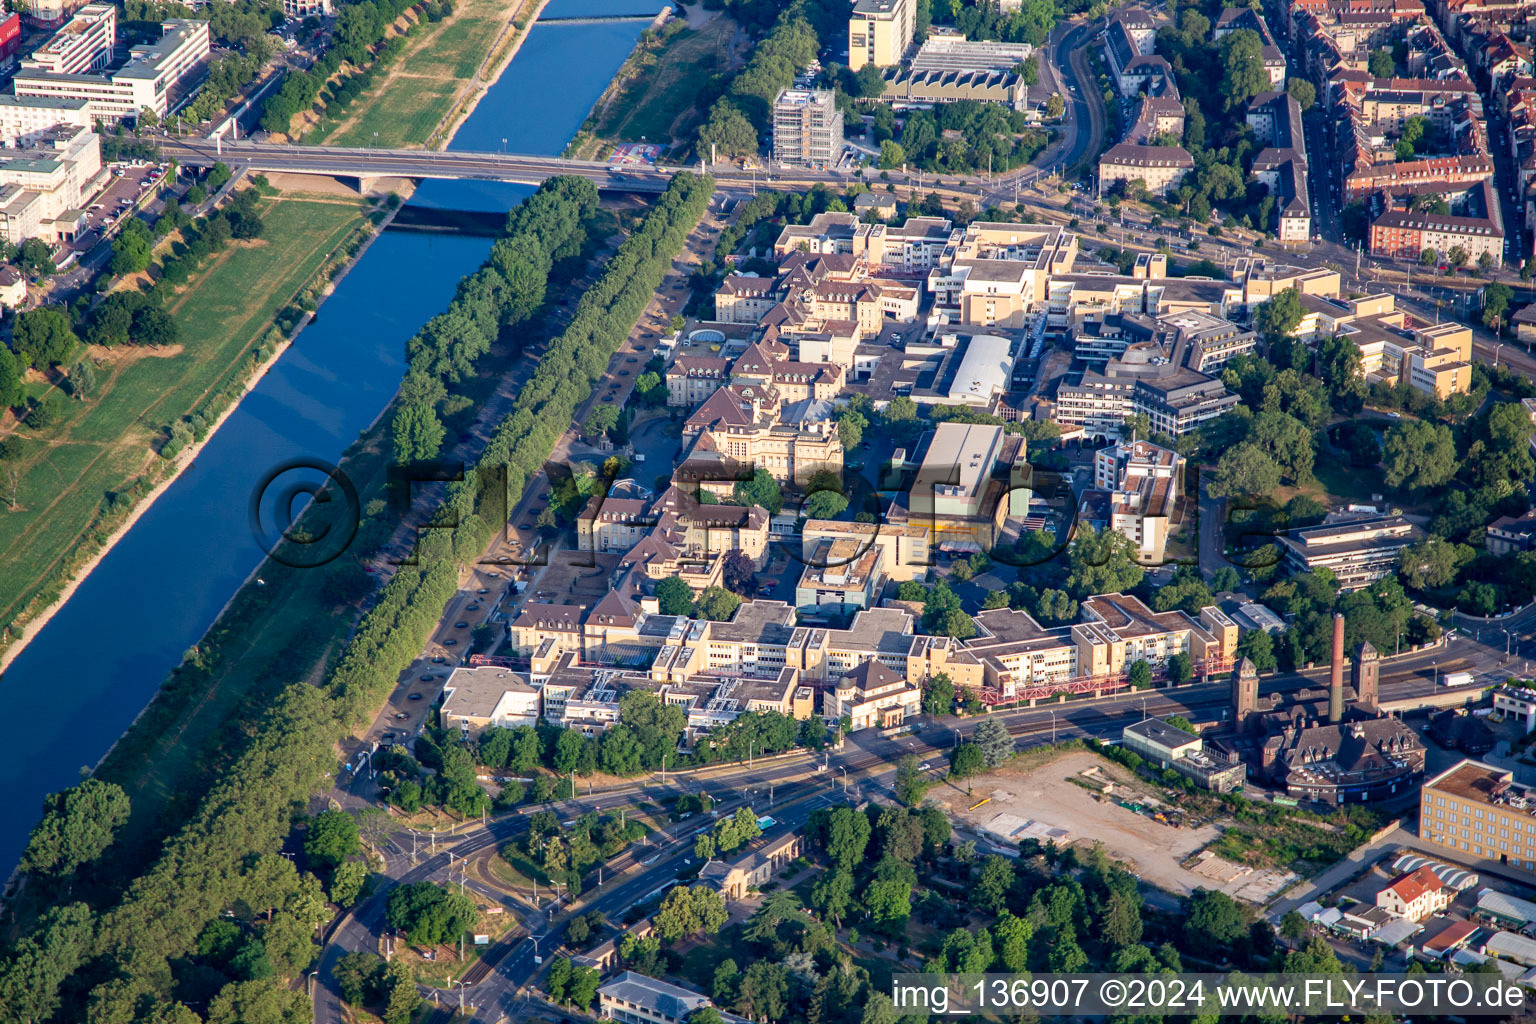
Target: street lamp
pixel 845 778
pixel 1053 726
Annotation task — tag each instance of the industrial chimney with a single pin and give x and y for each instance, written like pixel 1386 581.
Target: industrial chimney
pixel 1336 673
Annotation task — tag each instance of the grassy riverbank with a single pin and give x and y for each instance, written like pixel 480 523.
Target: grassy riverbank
pixel 443 66
pixel 656 92
pixel 76 480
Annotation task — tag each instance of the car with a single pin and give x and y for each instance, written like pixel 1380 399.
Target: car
pixel 439 660
pixel 414 696
pixel 401 716
pixel 607 398
pixel 623 373
pixel 483 590
pixel 924 766
pixel 387 737
pixel 472 607
pixel 460 625
pixel 427 678
pixel 631 359
pixel 450 642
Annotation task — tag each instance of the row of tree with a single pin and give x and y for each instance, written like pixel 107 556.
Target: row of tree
pixel 359 28
pixel 119 959
pixel 507 291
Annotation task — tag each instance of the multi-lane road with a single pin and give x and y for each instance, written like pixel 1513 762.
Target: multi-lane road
pixel 801 783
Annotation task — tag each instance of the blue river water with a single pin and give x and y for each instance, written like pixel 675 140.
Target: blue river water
pixel 85 676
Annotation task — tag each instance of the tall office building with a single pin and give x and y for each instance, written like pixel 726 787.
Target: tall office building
pixel 807 128
pixel 879 32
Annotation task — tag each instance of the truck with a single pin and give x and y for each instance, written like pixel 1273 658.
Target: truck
pixel 1456 679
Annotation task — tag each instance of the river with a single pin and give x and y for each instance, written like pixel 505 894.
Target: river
pixel 85 676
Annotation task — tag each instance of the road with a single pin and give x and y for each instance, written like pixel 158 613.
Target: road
pixel 864 768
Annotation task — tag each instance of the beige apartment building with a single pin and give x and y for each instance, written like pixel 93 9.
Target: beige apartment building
pixel 879 32
pixel 1158 168
pixel 1477 811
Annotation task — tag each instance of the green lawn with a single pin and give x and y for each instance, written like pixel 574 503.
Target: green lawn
pixel 103 445
pixel 664 84
pixel 412 95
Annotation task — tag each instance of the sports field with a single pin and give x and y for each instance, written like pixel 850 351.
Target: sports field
pixel 68 471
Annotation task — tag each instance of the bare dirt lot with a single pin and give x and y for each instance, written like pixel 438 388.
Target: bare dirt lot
pixel 1042 794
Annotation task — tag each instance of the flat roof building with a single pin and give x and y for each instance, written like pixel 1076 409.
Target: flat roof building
pixel 1476 811
pixel 1358 552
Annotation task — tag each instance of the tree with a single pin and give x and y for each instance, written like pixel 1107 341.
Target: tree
pixel 892 155
pixel 717 604
pixel 762 490
pixel 13 392
pixel 43 337
pixel 428 913
pixel 1417 455
pixel 966 759
pixel 832 894
pixel 82 379
pixel 418 434
pixel 356 975
pixel 1055 106
pixel 995 741
pixel 1433 562
pixel 132 248
pixel 1338 366
pixel 1102 563
pixel 825 505
pixel 1456 257
pixel 674 597
pixel 1381 64
pixel 727 133
pixel 78 825
pixel 990 893
pixel 910 785
pixel 1496 299
pixel 688 911
pixel 1293 926
pixel 347 882
pixel 1242 60
pixel 1258 647
pixel 1244 469
pixel 1139 675
pixel 1213 923
pixel 35 258
pixel 739 573
pixel 1181 668
pixel 331 839
pixel 938 695
pixel 1302 92
pixel 1277 318
pixel 764 991
pixel 842 832
pixel 870 82
pixel 1429 258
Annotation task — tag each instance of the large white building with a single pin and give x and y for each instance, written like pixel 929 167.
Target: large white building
pixel 147 80
pixel 23 117
pixel 42 188
pixel 82 44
